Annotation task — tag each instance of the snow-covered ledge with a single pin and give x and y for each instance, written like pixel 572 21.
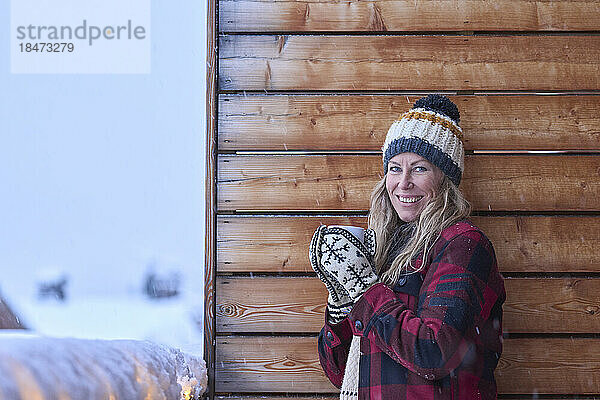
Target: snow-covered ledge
pixel 36 367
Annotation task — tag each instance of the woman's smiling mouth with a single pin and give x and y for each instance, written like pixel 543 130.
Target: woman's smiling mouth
pixel 411 199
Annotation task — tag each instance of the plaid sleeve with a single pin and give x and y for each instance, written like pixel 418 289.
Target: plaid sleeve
pixel 333 346
pixel 454 298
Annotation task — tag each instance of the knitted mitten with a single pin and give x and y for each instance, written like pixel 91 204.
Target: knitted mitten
pixel 339 304
pixel 343 263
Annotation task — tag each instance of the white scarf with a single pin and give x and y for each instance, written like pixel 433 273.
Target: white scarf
pixel 350 383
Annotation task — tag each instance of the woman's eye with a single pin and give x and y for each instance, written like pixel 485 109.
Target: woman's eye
pixel 394 169
pixel 420 168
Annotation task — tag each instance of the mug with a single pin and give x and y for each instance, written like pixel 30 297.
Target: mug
pixel 356 231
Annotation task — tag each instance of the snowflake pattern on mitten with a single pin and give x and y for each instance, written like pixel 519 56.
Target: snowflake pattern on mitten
pixel 349 260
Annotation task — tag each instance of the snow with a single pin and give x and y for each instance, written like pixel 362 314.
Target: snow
pixel 37 367
pixel 103 347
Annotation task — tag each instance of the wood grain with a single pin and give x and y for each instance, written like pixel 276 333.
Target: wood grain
pixel 360 122
pixel 549 366
pixel 540 244
pixel 552 305
pixel 296 183
pixel 289 305
pixel 269 364
pixel 260 304
pixel 406 15
pixel 544 244
pixel 290 364
pixel 410 62
pixel 492 182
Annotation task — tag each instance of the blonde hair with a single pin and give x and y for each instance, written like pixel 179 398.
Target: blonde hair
pixel 446 208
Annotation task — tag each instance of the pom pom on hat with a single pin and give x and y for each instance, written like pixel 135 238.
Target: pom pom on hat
pixel 439 104
pixel 430 129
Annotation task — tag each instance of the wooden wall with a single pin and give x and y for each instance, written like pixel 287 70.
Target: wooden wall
pixel 301 96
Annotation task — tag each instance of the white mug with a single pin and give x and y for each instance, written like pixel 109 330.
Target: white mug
pixel 357 231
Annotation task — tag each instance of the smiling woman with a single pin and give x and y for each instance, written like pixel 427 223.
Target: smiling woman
pixel 426 322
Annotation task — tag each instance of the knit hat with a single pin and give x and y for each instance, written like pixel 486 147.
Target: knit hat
pixel 429 129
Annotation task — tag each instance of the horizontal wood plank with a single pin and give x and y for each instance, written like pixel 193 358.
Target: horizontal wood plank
pixel 269 364
pixel 541 244
pixel 407 15
pixel 552 305
pixel 290 364
pixel 282 305
pixel 269 244
pixel 288 305
pixel 490 182
pixel 360 122
pixel 549 366
pixel 410 62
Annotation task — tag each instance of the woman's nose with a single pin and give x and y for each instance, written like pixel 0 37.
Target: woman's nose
pixel 405 181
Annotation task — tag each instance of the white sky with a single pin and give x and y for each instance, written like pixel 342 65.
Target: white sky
pixel 100 174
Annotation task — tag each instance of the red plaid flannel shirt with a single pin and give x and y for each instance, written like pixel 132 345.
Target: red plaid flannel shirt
pixel 435 335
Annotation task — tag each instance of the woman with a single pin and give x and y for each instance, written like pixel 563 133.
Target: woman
pixel 425 322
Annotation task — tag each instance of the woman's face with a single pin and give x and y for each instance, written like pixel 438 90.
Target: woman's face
pixel 411 182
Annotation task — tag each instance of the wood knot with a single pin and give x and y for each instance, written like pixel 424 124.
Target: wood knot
pixel 229 310
pixel 591 310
